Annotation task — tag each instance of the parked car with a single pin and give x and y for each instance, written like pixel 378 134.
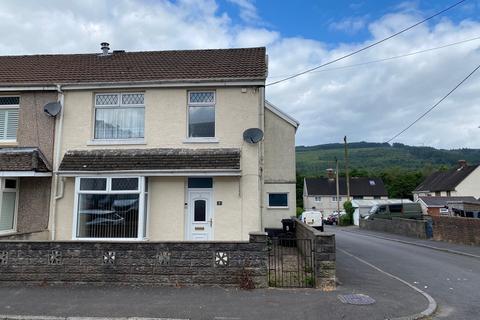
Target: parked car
pixel 396 210
pixel 313 219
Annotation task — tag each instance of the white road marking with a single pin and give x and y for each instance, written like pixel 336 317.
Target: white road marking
pixel 432 304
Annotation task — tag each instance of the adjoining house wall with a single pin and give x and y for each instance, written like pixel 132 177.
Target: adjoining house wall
pixel 323 246
pixel 33 204
pixel 470 185
pixel 457 229
pixel 279 168
pixel 166 127
pixel 404 227
pixel 35 128
pixel 133 263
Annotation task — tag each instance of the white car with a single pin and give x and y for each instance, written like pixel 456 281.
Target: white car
pixel 313 219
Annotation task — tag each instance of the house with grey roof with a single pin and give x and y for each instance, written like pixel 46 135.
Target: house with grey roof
pixel 321 193
pixel 439 206
pixel 156 145
pixel 462 181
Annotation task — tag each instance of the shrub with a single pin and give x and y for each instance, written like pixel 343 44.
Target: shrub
pixel 299 211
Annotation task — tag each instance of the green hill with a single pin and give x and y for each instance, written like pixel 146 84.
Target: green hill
pixel 400 166
pixel 378 157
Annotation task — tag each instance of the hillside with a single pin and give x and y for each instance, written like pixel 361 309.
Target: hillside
pixel 369 157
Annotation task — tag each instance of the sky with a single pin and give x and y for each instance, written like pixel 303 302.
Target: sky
pixel 361 97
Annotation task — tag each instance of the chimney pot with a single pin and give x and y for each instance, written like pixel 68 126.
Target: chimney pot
pixel 105 46
pixel 331 174
pixel 462 163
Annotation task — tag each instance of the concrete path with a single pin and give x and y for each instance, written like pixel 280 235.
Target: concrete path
pixel 453 280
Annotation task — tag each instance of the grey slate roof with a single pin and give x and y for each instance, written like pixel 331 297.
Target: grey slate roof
pixel 23 159
pixel 359 186
pixel 126 67
pixel 445 180
pixel 150 159
pixel 442 201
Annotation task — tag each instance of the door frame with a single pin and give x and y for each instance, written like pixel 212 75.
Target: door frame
pixel 210 213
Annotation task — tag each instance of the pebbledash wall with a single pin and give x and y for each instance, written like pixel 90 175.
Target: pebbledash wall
pixel 323 246
pixel 457 229
pixel 136 263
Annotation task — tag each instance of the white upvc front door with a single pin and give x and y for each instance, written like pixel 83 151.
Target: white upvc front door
pixel 200 215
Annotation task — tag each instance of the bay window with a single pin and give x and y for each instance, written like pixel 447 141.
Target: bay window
pixel 110 208
pixel 201 114
pixel 119 116
pixel 9 118
pixel 8 204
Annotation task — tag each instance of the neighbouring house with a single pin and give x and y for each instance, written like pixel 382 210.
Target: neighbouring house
pixel 462 181
pixel 152 145
pixel 321 193
pixel 26 156
pixel 438 206
pixel 464 208
pixel 363 207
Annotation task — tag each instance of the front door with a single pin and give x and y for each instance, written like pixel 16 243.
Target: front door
pixel 200 215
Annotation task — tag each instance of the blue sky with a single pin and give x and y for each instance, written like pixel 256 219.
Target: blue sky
pixel 324 20
pixel 369 102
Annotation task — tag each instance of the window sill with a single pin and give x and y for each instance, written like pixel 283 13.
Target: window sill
pixel 117 142
pixel 277 207
pixel 6 143
pixel 5 233
pixel 201 140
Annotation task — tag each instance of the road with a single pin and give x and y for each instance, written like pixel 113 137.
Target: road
pixel 452 280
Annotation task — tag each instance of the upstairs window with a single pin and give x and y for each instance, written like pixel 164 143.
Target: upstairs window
pixel 201 114
pixel 9 118
pixel 119 116
pixel 278 200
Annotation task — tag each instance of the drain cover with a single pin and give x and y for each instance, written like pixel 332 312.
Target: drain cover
pixel 356 299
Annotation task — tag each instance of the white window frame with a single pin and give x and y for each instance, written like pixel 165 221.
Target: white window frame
pixel 15 213
pixel 119 105
pixel 278 207
pixel 142 214
pixel 318 199
pixel 10 107
pixel 213 104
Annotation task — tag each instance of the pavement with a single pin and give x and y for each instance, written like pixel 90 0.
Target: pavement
pixel 366 264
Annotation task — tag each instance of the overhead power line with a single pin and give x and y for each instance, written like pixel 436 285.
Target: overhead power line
pixel 435 105
pixel 390 58
pixel 369 46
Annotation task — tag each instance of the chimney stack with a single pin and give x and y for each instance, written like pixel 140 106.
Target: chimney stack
pixel 331 174
pixel 462 163
pixel 105 48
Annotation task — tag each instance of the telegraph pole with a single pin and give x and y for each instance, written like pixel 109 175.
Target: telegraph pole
pixel 338 191
pixel 347 179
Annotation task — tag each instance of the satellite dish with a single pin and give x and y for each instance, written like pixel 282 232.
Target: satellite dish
pixel 253 135
pixel 52 108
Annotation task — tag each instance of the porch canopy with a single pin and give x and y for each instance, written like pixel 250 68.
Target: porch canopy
pixel 23 162
pixel 152 162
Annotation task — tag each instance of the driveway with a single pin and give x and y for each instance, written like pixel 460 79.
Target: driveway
pixel 453 280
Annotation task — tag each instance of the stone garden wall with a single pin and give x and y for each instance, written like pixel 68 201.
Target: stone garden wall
pixel 405 227
pixel 323 247
pixel 457 229
pixel 136 263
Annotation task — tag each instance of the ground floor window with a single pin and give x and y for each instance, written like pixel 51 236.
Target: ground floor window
pixel 278 200
pixel 8 203
pixel 110 207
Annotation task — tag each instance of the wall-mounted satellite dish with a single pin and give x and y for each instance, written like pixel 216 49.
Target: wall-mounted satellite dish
pixel 253 135
pixel 52 108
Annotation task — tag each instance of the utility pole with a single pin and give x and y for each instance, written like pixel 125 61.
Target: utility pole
pixel 347 179
pixel 338 191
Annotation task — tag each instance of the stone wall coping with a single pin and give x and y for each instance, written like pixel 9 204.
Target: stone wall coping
pixel 315 232
pixel 258 233
pixel 143 242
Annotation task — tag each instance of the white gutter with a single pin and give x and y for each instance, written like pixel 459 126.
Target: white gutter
pixel 24 174
pixel 163 84
pixel 155 173
pixel 28 88
pixel 56 163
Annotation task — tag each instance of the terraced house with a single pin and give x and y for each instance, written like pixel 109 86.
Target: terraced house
pixel 162 145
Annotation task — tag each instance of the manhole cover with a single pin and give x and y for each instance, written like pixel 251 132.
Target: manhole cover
pixel 356 299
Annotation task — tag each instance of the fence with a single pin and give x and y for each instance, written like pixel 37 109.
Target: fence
pixel 138 263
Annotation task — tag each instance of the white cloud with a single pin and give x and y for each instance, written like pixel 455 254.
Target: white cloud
pixel 349 25
pixel 248 11
pixel 370 102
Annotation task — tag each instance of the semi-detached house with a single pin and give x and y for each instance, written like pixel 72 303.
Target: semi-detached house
pixel 147 145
